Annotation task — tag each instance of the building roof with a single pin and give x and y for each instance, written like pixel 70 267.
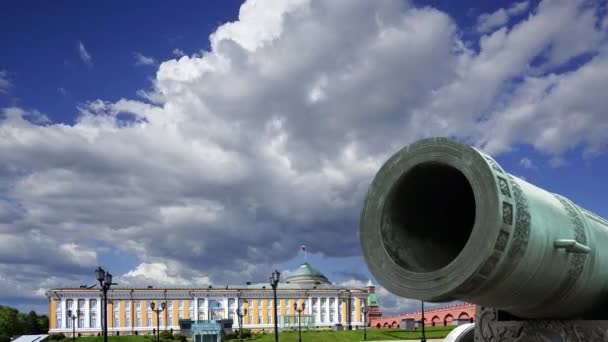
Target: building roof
pixel 31 338
pixel 306 274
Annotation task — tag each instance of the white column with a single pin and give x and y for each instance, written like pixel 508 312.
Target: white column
pixel 206 308
pixel 64 314
pixel 87 312
pixel 196 309
pixel 309 305
pixel 336 308
pixel 225 301
pixel 319 308
pixel 327 308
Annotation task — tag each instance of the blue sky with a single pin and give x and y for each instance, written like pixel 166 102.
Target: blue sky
pixel 206 142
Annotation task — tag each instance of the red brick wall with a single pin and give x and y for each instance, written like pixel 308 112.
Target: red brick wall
pixel 437 315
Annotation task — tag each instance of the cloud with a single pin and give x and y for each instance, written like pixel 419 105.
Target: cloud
pixel 238 155
pixel 160 274
pixel 527 163
pixel 178 52
pixel 85 56
pixel 489 21
pixel 143 60
pixel 5 83
pixel 62 91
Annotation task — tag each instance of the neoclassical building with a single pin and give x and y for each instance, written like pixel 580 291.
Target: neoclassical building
pixel 129 309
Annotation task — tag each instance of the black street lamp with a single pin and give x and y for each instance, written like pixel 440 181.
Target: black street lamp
pixel 105 281
pixel 274 282
pixel 73 318
pixel 423 338
pixel 299 311
pixel 241 312
pixel 158 311
pixel 365 311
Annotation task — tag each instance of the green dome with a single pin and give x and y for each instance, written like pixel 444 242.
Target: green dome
pixel 307 274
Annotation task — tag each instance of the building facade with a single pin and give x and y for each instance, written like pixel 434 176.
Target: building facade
pixel 129 311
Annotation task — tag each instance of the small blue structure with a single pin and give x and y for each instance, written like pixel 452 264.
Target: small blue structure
pixel 205 331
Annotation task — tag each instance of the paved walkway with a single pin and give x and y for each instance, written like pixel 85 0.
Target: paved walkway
pixel 432 340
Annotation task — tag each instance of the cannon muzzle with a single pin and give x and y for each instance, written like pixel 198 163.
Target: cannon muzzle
pixel 443 221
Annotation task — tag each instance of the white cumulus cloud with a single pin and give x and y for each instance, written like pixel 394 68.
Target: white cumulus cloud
pixel 85 56
pixel 143 60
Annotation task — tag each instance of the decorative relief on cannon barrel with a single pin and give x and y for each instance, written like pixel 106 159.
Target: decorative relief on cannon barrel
pixel 521 232
pixel 507 213
pixel 493 164
pixel 504 187
pixel 577 261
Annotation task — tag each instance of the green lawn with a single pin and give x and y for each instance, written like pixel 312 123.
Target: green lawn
pixel 357 335
pixel 313 335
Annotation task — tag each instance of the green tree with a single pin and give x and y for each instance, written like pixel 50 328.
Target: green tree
pixel 9 321
pixel 31 326
pixel 43 323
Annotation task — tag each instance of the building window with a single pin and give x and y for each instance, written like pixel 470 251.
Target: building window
pixel 180 304
pixel 138 321
pixel 149 321
pixel 128 320
pixel 269 311
pixel 191 309
pixel 58 314
pixel 331 315
pixel 138 304
pixel 201 309
pixel 93 305
pixel 93 320
pixel 69 323
pixel 323 316
pixel 116 322
pixel 170 321
pixel 170 305
pixel 116 306
pixel 287 306
pixel 81 321
pixel 128 305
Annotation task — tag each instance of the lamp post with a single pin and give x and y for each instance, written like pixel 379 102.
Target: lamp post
pixel 299 311
pixel 274 282
pixel 423 337
pixel 73 318
pixel 365 311
pixel 158 311
pixel 105 281
pixel 241 312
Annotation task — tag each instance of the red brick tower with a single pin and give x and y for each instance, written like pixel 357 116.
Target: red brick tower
pixel 374 312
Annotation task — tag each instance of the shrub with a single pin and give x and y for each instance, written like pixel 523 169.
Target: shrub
pixel 179 337
pixel 57 336
pixel 4 338
pixel 165 335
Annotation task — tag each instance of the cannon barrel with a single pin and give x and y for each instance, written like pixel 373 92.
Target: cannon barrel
pixel 443 221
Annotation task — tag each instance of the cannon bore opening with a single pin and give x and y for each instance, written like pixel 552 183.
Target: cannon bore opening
pixel 429 216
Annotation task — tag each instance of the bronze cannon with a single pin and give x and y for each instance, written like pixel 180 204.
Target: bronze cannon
pixel 443 221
